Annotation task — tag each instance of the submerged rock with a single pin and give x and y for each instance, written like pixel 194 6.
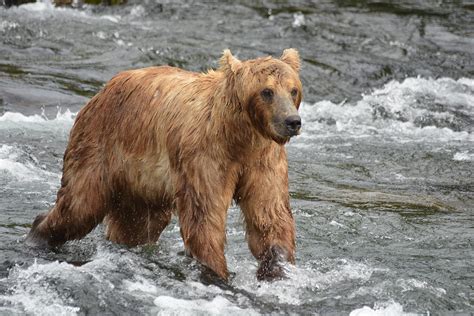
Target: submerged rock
pixel 10 3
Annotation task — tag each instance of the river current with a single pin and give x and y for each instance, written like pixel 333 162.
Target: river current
pixel 381 179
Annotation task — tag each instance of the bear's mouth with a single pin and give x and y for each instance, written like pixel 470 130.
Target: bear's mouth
pixel 281 134
pixel 281 137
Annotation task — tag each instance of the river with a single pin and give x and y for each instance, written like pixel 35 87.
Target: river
pixel 381 179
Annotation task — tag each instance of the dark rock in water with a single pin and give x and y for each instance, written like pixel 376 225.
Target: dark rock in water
pixel 96 2
pixel 105 2
pixel 9 3
pixel 2 106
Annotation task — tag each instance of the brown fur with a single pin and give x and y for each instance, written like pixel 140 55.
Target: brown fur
pixel 160 140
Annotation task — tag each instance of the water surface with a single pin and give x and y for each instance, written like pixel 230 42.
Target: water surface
pixel 381 179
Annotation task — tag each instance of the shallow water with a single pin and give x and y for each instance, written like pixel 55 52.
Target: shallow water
pixel 380 180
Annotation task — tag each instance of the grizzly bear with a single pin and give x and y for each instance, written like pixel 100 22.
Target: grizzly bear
pixel 161 140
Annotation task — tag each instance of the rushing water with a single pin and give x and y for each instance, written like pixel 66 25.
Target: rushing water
pixel 381 179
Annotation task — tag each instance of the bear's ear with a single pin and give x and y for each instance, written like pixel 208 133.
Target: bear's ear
pixel 292 58
pixel 229 63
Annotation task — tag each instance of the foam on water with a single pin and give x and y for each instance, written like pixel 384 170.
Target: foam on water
pixel 62 123
pixel 381 309
pixel 46 8
pixel 111 18
pixel 35 289
pixel 12 163
pixel 61 117
pixel 140 284
pixel 402 285
pixel 18 117
pixel 38 6
pixel 292 291
pixel 298 20
pixel 415 109
pixel 199 298
pixel 217 306
pixel 53 288
pixel 301 279
pixel 33 293
pixel 7 26
pixel 464 156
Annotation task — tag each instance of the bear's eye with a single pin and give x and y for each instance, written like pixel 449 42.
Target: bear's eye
pixel 267 94
pixel 294 92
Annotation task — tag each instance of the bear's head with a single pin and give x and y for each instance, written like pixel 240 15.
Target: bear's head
pixel 269 90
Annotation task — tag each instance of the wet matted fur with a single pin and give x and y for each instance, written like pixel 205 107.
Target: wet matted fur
pixel 162 140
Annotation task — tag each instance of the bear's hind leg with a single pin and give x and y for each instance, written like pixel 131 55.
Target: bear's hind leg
pixel 74 215
pixel 137 224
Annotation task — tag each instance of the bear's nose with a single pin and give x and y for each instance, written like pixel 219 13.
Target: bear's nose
pixel 293 124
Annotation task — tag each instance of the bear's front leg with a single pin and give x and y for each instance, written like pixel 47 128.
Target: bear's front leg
pixel 204 237
pixel 271 239
pixel 263 196
pixel 202 212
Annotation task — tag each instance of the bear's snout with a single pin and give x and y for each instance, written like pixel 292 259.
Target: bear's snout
pixel 293 124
